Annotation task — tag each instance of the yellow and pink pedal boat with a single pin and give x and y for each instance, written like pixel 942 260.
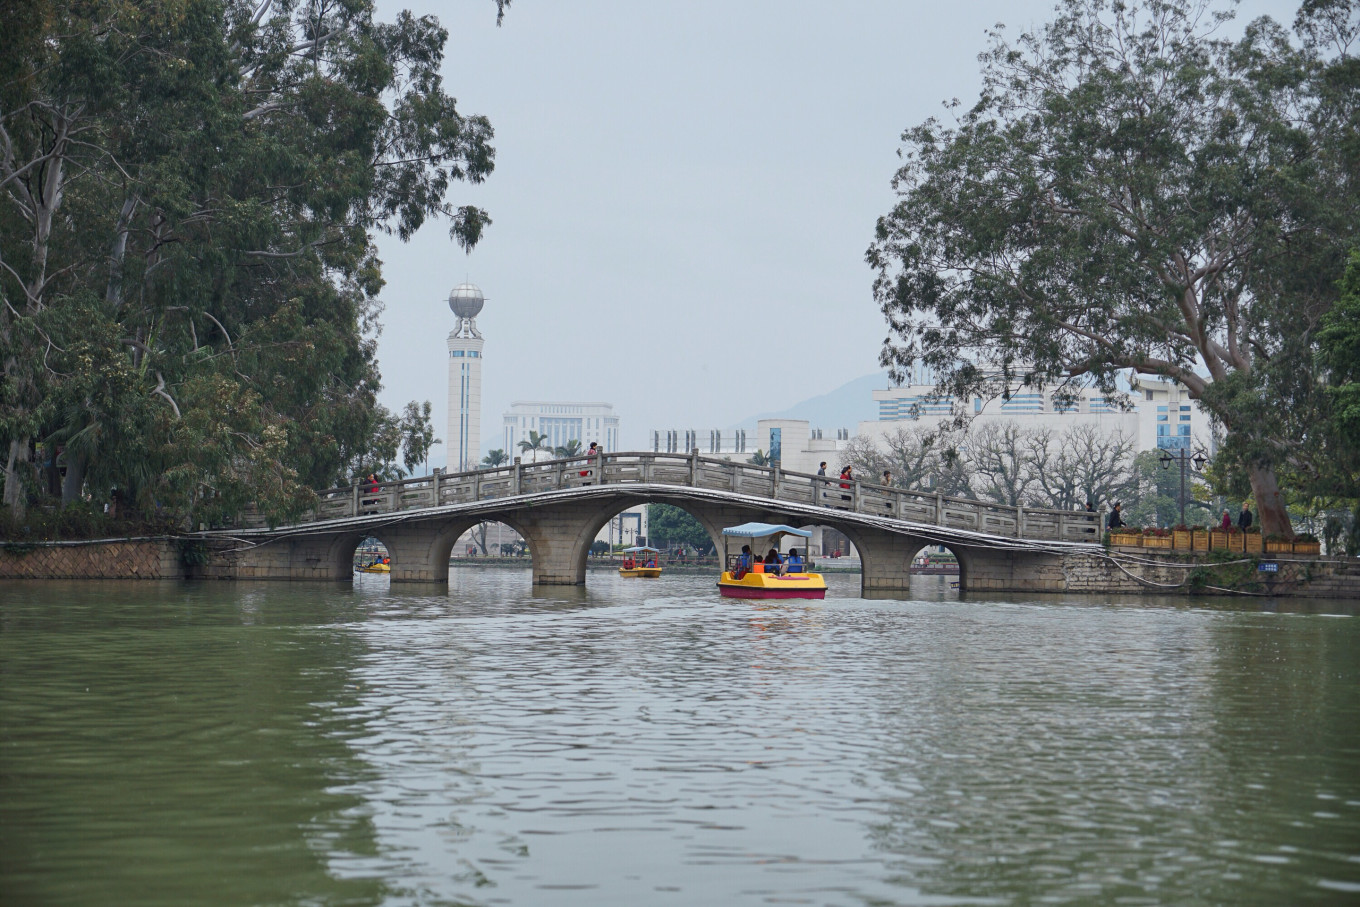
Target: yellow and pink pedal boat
pixel 746 576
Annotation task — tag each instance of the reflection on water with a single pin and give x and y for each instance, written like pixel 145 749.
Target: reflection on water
pixel 639 742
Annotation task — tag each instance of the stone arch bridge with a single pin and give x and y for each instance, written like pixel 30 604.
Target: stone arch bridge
pixel 559 506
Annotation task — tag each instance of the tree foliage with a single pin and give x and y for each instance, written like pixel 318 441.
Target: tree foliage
pixel 1131 192
pixel 668 525
pixel 188 281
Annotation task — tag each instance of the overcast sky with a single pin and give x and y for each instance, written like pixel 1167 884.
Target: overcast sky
pixel 683 195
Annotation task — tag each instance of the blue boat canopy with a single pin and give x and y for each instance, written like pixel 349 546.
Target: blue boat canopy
pixel 761 530
pixel 641 548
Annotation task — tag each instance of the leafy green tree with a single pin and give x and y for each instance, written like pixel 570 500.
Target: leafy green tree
pixel 417 435
pixel 671 525
pixel 188 280
pixel 1130 193
pixel 494 458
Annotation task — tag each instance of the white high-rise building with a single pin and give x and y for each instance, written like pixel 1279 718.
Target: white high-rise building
pixel 561 423
pixel 464 437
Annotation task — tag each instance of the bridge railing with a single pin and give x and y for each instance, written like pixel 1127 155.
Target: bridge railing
pixel 697 471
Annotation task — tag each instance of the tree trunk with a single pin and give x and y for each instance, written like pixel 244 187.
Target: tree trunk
pixel 74 483
pixel 1270 505
pixel 14 486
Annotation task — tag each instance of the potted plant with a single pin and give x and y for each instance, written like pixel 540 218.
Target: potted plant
pixel 1254 542
pixel 1307 543
pixel 1236 540
pixel 1156 537
pixel 1126 536
pixel 1277 544
pixel 1218 538
pixel 1180 537
pixel 1199 538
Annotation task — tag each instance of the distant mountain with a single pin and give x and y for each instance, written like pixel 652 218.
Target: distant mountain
pixel 844 407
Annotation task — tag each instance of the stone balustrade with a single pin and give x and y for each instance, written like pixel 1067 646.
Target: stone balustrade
pixel 695 471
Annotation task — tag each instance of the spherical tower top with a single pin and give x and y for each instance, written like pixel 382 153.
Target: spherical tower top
pixel 466 300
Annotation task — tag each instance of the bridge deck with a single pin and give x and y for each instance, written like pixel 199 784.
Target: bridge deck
pixel 649 474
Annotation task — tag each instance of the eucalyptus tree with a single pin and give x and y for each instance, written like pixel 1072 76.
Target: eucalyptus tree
pixel 188 278
pixel 1132 193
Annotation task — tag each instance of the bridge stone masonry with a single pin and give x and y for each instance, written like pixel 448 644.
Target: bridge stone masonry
pixel 559 507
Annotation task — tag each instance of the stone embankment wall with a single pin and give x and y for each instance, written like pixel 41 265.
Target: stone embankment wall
pixel 118 559
pixel 1148 572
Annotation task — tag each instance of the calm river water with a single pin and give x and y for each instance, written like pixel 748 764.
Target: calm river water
pixel 647 742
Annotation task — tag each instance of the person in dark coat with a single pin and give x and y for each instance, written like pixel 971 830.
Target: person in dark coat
pixel 1115 521
pixel 1244 518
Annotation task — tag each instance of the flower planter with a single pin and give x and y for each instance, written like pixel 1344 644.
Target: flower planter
pixel 1237 542
pixel 1218 540
pixel 1199 540
pixel 1311 548
pixel 1126 539
pixel 1156 541
pixel 1277 547
pixel 1255 544
pixel 1181 539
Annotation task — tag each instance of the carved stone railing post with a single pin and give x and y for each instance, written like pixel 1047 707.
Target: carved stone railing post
pixel 599 468
pixel 1019 521
pixel 519 471
pixel 354 501
pixel 561 474
pixel 435 483
pixel 855 502
pixel 774 481
pixel 736 476
pixel 477 485
pixel 939 509
pixel 694 467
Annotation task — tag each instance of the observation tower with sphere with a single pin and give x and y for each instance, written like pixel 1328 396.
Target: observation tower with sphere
pixel 465 379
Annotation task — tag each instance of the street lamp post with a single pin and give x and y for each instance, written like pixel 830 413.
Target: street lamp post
pixel 1199 459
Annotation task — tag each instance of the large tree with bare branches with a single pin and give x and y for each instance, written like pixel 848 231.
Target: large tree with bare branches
pixel 1133 193
pixel 189 193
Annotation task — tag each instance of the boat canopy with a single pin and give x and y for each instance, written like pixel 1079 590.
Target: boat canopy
pixel 639 549
pixel 761 530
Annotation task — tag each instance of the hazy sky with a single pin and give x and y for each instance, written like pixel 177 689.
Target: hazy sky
pixel 683 195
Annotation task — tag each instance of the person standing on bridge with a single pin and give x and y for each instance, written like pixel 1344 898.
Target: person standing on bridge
pixel 887 478
pixel 1244 519
pixel 821 470
pixel 846 479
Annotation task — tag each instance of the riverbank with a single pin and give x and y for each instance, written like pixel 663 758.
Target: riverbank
pixel 1115 570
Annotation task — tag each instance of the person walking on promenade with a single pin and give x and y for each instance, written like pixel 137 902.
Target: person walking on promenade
pixel 1226 523
pixel 1244 518
pixel 1116 520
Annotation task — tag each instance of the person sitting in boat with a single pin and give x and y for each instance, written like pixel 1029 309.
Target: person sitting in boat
pixel 772 561
pixel 628 562
pixel 793 563
pixel 651 562
pixel 744 561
